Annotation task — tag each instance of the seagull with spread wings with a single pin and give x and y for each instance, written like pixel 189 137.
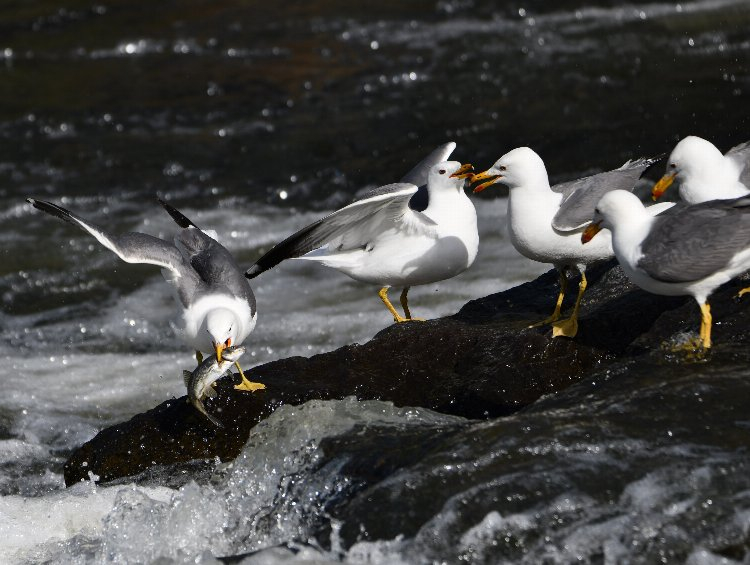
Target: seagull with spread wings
pixel 218 306
pixel 417 231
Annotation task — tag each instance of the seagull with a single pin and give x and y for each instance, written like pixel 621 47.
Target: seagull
pixel 545 223
pixel 689 252
pixel 417 231
pixel 703 173
pixel 218 305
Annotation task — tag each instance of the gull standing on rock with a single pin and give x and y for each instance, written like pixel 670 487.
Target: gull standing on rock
pixel 689 252
pixel 218 305
pixel 703 173
pixel 545 223
pixel 418 231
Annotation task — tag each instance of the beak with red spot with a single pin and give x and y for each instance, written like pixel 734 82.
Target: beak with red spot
pixel 664 183
pixel 220 347
pixel 463 172
pixel 591 230
pixel 482 176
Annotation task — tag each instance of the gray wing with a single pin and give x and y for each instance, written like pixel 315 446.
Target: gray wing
pixel 696 241
pixel 581 196
pixel 740 154
pixel 212 262
pixel 134 247
pixel 347 228
pixel 418 175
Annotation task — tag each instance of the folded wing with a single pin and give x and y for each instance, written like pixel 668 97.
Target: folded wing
pixel 696 241
pixel 740 155
pixel 581 196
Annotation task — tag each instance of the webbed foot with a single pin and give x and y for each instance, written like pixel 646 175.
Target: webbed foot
pixel 565 328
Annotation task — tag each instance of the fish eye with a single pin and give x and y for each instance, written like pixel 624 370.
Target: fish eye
pixel 441 171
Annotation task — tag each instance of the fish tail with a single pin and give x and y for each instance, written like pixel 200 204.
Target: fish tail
pixel 202 409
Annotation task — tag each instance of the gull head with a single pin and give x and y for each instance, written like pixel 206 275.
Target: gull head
pixel 449 175
pixel 222 325
pixel 518 167
pixel 692 156
pixel 617 207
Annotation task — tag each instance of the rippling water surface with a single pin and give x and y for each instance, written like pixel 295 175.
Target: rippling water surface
pixel 256 119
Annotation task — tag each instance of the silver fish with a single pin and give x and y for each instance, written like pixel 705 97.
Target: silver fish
pixel 199 382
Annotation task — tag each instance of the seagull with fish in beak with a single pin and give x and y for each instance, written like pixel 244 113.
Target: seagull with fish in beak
pixel 217 304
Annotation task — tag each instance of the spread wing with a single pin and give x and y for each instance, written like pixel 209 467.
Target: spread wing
pixel 581 196
pixel 348 228
pixel 134 247
pixel 213 263
pixel 418 175
pixel 740 155
pixel 696 241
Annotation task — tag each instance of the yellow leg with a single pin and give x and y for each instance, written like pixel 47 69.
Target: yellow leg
pixel 695 348
pixel 705 334
pixel 405 306
pixel 743 292
pixel 199 357
pixel 558 305
pixel 569 327
pixel 383 294
pixel 246 384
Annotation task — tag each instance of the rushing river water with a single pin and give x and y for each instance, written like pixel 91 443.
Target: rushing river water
pixel 255 119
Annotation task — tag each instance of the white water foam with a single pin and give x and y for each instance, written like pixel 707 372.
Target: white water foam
pixel 266 497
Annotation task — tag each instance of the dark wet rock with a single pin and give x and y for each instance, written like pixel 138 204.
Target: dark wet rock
pixel 483 362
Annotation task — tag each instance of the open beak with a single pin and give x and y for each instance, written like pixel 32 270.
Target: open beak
pixel 664 183
pixel 590 231
pixel 463 172
pixel 482 176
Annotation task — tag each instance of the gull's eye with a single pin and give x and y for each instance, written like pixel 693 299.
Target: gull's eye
pixel 673 165
pixel 441 171
pixel 502 167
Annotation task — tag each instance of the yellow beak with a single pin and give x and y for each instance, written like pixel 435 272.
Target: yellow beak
pixel 482 176
pixel 464 171
pixel 219 347
pixel 664 183
pixel 590 231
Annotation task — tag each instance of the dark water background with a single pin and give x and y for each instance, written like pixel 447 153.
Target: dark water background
pixel 256 117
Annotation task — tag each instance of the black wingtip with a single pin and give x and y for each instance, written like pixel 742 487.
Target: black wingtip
pixel 253 271
pixel 179 218
pixel 51 209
